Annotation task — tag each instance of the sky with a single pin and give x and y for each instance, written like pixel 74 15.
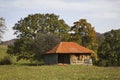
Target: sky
pixel 104 15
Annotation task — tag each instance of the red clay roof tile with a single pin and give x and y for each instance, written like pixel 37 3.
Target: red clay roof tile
pixel 69 47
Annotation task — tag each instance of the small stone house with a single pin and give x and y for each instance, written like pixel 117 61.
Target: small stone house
pixel 68 53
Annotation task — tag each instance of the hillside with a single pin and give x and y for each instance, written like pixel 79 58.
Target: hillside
pixel 9 42
pixel 99 35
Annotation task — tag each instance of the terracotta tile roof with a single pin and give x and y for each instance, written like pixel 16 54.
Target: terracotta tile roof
pixel 69 47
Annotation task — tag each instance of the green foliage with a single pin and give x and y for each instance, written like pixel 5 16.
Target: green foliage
pixel 85 32
pixel 27 30
pixel 85 35
pixel 100 39
pixel 68 72
pixel 40 23
pixel 109 51
pixel 43 43
pixel 21 49
pixel 7 60
pixel 3 51
pixel 2 26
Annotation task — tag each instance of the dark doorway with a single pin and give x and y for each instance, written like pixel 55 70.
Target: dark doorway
pixel 64 58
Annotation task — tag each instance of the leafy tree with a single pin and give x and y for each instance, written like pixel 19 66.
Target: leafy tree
pixel 109 51
pixel 40 23
pixel 43 43
pixel 27 30
pixel 21 49
pixel 2 26
pixel 85 35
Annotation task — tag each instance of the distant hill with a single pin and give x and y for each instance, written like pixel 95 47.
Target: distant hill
pixel 9 42
pixel 99 35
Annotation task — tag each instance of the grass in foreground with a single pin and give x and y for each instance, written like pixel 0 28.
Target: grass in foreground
pixel 68 72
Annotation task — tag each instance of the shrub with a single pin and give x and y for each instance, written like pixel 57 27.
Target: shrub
pixel 6 60
pixel 102 63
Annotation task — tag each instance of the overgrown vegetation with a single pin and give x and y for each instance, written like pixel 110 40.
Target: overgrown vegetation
pixel 3 54
pixel 3 50
pixel 109 50
pixel 7 60
pixel 43 43
pixel 2 27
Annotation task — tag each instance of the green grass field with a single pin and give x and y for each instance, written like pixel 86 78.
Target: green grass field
pixel 68 72
pixel 55 72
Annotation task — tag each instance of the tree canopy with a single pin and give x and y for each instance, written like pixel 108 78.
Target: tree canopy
pixel 43 43
pixel 2 26
pixel 109 50
pixel 27 30
pixel 84 35
pixel 40 23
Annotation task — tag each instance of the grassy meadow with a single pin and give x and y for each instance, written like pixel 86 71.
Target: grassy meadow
pixel 55 72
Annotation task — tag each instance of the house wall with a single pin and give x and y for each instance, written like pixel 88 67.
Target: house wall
pixel 81 59
pixel 51 59
pixel 85 59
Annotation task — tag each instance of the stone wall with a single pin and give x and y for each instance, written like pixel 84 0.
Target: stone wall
pixel 80 59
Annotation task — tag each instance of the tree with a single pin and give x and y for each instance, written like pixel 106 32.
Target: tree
pixel 41 23
pixel 99 38
pixel 109 50
pixel 27 30
pixel 21 49
pixel 2 26
pixel 43 43
pixel 85 35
